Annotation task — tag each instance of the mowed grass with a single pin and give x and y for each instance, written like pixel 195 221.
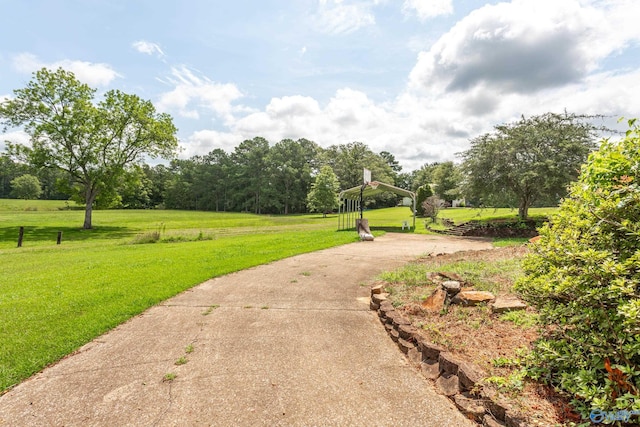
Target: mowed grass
pixel 459 215
pixel 35 205
pixel 391 218
pixel 54 299
pixel 119 226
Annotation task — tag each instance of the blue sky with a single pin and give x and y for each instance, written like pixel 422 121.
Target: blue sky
pixel 418 78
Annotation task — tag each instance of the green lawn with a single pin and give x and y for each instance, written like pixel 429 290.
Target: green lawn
pixel 54 299
pixel 393 217
pixel 459 215
pixel 34 205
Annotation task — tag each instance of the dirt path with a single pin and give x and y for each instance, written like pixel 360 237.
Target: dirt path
pixel 290 343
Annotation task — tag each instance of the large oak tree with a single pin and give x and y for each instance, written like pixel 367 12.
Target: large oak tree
pixel 531 160
pixel 92 142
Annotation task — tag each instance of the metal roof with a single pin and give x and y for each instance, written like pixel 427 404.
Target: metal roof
pixel 373 188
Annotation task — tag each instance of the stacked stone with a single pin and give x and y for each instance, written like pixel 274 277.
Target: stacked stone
pixel 460 381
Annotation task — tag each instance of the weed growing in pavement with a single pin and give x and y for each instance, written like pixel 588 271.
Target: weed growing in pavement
pixel 210 309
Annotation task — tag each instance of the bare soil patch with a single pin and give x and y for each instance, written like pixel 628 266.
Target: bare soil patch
pixel 493 342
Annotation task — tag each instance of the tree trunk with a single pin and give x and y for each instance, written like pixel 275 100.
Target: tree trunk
pixel 87 216
pixel 88 210
pixel 523 209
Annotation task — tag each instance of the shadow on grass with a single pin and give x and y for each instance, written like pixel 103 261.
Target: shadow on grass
pixel 42 234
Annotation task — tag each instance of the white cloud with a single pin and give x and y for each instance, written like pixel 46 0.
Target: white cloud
pixel 496 64
pixel 148 48
pixel 192 94
pixel 93 74
pixel 204 141
pixel 524 46
pixel 336 17
pixel 16 137
pixel 426 9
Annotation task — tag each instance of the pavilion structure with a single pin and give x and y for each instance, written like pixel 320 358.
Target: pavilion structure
pixel 352 202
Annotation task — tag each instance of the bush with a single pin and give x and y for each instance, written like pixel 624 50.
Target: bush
pixel 584 277
pixel 431 207
pixel 422 194
pixel 26 187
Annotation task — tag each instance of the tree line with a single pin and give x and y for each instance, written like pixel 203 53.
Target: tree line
pixel 257 177
pixel 96 152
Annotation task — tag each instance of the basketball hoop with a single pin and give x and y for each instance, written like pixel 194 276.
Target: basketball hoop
pixel 366 176
pixel 374 184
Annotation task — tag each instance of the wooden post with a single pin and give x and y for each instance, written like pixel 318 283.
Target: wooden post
pixel 59 238
pixel 20 236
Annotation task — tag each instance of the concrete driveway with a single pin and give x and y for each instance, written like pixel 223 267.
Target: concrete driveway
pixel 291 343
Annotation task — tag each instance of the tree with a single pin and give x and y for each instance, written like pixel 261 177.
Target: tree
pixel 93 143
pixel 422 194
pixel 211 180
pixel 9 170
pixel 26 187
pixel 349 160
pixel 431 207
pixel 290 167
pixel 423 176
pixel 446 181
pixel 530 160
pixel 178 191
pixel 583 276
pixel 323 196
pixel 249 174
pixel 394 166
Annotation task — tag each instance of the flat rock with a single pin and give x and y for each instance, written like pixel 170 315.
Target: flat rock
pixel 470 376
pixel 489 421
pixel 435 302
pixel 469 406
pixel 448 363
pixel 378 298
pixel 494 405
pixel 451 276
pixel 447 385
pixel 429 350
pixel 400 320
pixel 395 336
pixel 451 286
pixel 430 369
pixel 503 305
pixel 470 298
pixel 407 332
pixel 405 345
pixel 415 356
pixel 378 289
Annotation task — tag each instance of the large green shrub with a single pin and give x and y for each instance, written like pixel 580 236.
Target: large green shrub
pixel 584 277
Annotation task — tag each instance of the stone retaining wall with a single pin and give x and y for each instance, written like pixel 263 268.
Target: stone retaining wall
pixel 460 381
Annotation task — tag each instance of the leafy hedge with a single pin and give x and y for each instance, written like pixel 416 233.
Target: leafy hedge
pixel 584 277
